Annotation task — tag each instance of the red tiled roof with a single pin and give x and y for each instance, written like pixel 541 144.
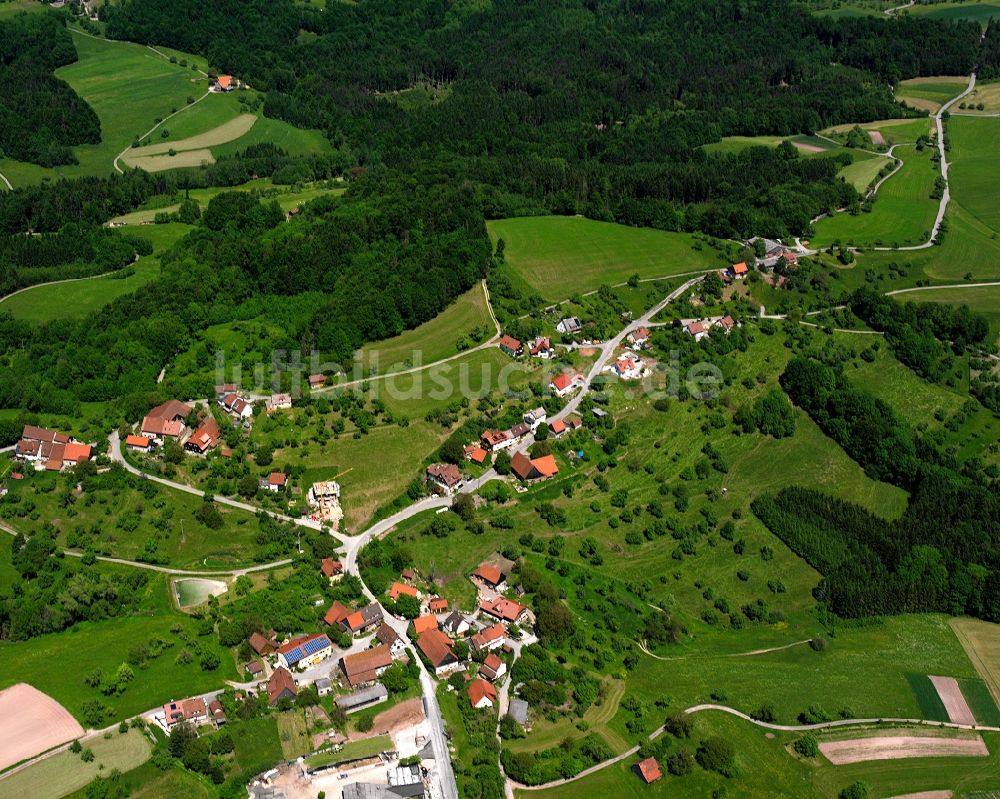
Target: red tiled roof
pixel 137 441
pixel 281 680
pixel 422 624
pixel 336 614
pixel 740 268
pixel 398 589
pixel 261 645
pixel 436 646
pixel 562 382
pixel 546 465
pixel 277 478
pixel 558 426
pixel 330 567
pixel 502 608
pixel 650 770
pixel 363 667
pixel 479 689
pixel 447 474
pixel 510 343
pixel 489 573
pixel 488 636
pixel 438 604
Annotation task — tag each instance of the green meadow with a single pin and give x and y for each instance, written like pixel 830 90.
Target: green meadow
pixel 903 212
pixel 104 645
pixel 559 255
pixel 974 11
pixel 929 94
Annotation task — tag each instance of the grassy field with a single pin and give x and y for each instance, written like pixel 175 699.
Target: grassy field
pixel 862 172
pixel 903 212
pixel 42 662
pixel 56 776
pixel 981 641
pixel 929 700
pixel 111 76
pixel 293 734
pixel 148 782
pixel 558 255
pixel 929 94
pixel 432 340
pixel 986 92
pixel 77 298
pixel 258 744
pixel 766 768
pixel 981 702
pixel 975 166
pixel 10 8
pixel 975 11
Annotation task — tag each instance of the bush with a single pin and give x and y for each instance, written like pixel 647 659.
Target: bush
pixel 680 763
pixel 680 725
pixel 717 754
pixel 806 746
pixel 818 644
pixel 857 790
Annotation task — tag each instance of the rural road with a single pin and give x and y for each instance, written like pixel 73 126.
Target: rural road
pixel 949 286
pixel 3 177
pixel 946 195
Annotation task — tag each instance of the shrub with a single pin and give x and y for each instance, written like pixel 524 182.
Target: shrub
pixel 680 763
pixel 806 746
pixel 717 754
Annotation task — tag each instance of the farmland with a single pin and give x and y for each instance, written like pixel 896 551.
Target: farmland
pixel 64 773
pixel 554 253
pixel 985 92
pixel 929 94
pixel 981 12
pixel 903 212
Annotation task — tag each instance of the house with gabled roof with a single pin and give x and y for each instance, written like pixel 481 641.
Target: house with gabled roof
pixel 360 621
pixel 165 420
pixel 397 589
pixel 50 450
pixel 491 576
pixel 305 651
pixel 541 348
pixel 511 346
pixel 475 453
pixel 205 437
pixel 482 694
pixel 262 645
pixel 332 569
pixel 436 647
pixel 281 685
pixel 456 625
pixel 496 440
pixel 437 604
pixel 236 406
pixel 489 638
pixel 444 478
pixel 337 614
pixel 535 417
pixel 138 443
pixel 739 271
pixel 194 711
pixel 504 609
pixel 365 667
pixel 277 402
pixel 530 470
pixel 649 770
pixel 422 624
pixel 566 383
pixel 726 323
pixel 639 337
pixel 569 325
pixel 493 668
pixel 388 636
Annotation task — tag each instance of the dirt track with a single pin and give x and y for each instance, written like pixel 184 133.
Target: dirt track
pixel 893 747
pixel 954 703
pixel 30 723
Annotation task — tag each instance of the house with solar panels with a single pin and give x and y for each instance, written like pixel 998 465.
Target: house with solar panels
pixel 305 651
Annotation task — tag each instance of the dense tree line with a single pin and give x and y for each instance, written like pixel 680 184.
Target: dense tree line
pixel 989 54
pixel 583 107
pixel 41 117
pixel 941 555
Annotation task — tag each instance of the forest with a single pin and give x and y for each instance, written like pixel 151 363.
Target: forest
pixel 941 555
pixel 41 117
pixel 594 107
pixel 389 255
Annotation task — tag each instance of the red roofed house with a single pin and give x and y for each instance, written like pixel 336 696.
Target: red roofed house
pixel 513 347
pixel 138 443
pixel 332 569
pixel 422 624
pixel 481 694
pixel 491 575
pixel 444 478
pixel 50 450
pixel 438 605
pixel 489 639
pixel 237 406
pixel 436 647
pixel 275 481
pixel 366 667
pixel 649 770
pixel 566 383
pixel 224 83
pixel 262 645
pixel 166 420
pixel 531 469
pixel 493 668
pixel 317 381
pixel 305 651
pixel 475 453
pixel 363 620
pixel 504 609
pixel 740 270
pixel 281 685
pixel 557 428
pixel 192 710
pixel 206 437
pixel 727 323
pixel 628 367
pixel 541 348
pixel 496 440
pixel 336 614
pixel 396 590
pixel 639 337
pixel 696 330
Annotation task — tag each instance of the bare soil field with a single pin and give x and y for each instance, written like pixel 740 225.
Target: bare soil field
pixel 958 709
pixel 405 714
pixel 222 134
pixel 31 723
pixel 893 747
pixel 925 795
pixel 808 148
pixel 186 158
pixel 981 641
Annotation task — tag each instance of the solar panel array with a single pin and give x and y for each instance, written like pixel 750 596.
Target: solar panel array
pixel 315 645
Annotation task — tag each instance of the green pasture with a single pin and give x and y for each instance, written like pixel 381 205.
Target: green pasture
pixel 766 767
pixel 903 212
pixel 297 141
pixel 904 130
pixel 981 702
pixel 974 167
pixel 75 299
pixel 63 773
pixel 560 255
pixel 432 341
pixel 862 172
pixel 104 645
pixel 149 782
pixel 974 11
pixel 930 94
